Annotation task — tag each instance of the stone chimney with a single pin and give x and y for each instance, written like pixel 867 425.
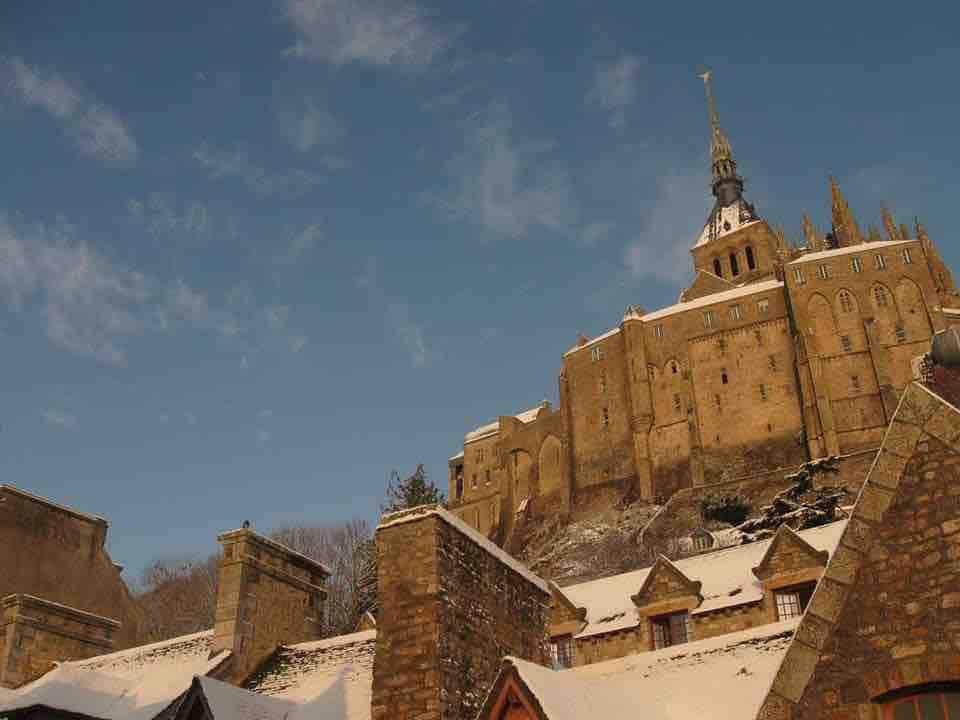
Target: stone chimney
pixel 268 595
pixel 451 606
pixel 36 633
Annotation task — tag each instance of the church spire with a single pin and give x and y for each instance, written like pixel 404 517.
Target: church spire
pixel 893 232
pixel 727 186
pixel 845 229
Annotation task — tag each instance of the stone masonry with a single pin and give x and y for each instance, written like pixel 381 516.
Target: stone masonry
pixel 451 607
pixel 35 633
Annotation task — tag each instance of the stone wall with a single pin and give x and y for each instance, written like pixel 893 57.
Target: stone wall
pixel 58 554
pixel 267 595
pixel 34 634
pixel 450 610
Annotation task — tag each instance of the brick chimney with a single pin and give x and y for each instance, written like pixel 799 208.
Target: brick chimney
pixel 268 595
pixel 451 606
pixel 36 633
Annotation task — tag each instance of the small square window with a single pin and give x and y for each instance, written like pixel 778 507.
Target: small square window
pixel 735 313
pixel 845 343
pixel 605 418
pixel 596 353
pixel 901 334
pixel 879 261
pixel 798 276
pixel 763 306
pixel 658 331
pixel 791 602
pixel 907 258
pixel 668 630
pixel 856 264
pixel 855 383
pixel 823 271
pixel 708 319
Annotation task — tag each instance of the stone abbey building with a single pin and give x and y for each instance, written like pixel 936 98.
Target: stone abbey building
pixel 775 354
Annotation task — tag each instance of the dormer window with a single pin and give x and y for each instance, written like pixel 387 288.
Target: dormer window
pixel 561 652
pixel 672 629
pixel 792 601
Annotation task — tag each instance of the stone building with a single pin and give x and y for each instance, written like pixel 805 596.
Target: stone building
pixel 776 354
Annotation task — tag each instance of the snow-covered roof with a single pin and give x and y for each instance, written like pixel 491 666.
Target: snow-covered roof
pixel 328 679
pixel 458 456
pixel 185 651
pixel 132 688
pixel 848 250
pixel 405 516
pixel 722 678
pixel 720 297
pixel 726 579
pixel 227 702
pixel 727 216
pixel 50 503
pixel 485 431
pixel 594 341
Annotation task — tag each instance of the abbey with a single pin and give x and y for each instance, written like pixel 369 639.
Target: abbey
pixel 775 354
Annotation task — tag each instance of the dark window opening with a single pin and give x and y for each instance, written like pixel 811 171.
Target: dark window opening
pixel 734 267
pixel 673 629
pixel 561 652
pixel 459 481
pixel 751 262
pixel 927 703
pixel 717 267
pixel 723 376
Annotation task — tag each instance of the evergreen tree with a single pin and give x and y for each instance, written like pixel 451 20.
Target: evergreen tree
pixel 411 492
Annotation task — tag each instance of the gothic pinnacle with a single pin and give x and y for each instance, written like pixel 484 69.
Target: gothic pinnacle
pixel 727 185
pixel 845 229
pixel 893 233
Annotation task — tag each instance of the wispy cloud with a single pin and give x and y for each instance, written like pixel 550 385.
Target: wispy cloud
pixel 410 334
pixel 508 188
pixel 672 226
pixel 615 87
pixel 299 245
pixel 371 32
pixel 160 219
pixel 237 165
pixel 309 124
pixel 95 129
pixel 60 419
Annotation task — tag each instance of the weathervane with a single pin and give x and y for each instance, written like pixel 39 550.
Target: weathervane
pixel 714 120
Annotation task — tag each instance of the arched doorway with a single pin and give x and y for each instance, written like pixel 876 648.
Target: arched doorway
pixel 550 465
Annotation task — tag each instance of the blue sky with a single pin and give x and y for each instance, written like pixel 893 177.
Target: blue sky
pixel 255 255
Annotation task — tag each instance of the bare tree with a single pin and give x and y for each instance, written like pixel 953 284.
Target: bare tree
pixel 178 597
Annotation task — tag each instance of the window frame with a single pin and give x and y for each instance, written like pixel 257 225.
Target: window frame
pixel 913 698
pixel 856 264
pixel 663 627
pixel 763 306
pixel 735 312
pixel 907 257
pixel 708 319
pixel 596 353
pixel 879 261
pixel 803 592
pixel 798 276
pixel 562 651
pixel 823 271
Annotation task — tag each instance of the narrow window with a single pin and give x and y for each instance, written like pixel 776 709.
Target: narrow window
pixel 901 334
pixel 855 382
pixel 603 381
pixel 673 629
pixel 880 294
pixel 823 271
pixel 658 331
pixel 487 478
pixel 473 481
pixel 734 267
pixel 676 403
pixel 798 276
pixel 763 306
pixel 879 261
pixel 480 455
pixel 708 319
pixel 763 391
pixel 596 353
pixel 459 482
pixel 723 376
pixel 791 602
pixel 846 302
pixel 561 652
pixel 674 367
pixel 773 363
pixel 845 343
pixel 759 337
pixel 605 419
pixel 856 264
pixel 717 267
pixel 722 344
pixel 907 258
pixel 735 313
pixel 751 262
pixel 716 399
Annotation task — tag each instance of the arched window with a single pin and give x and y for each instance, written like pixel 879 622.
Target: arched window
pixel 932 702
pixel 751 262
pixel 717 267
pixel 734 267
pixel 846 302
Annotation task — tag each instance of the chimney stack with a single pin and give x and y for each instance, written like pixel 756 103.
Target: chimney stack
pixel 268 595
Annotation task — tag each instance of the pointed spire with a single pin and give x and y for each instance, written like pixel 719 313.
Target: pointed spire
pixel 810 234
pixel 873 234
pixel 845 229
pixel 727 185
pixel 904 232
pixel 893 233
pixel 921 232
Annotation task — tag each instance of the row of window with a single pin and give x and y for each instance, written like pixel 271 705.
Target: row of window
pixel 824 270
pixel 735 312
pixel 735 263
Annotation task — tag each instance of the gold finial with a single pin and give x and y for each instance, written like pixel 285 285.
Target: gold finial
pixel 714 119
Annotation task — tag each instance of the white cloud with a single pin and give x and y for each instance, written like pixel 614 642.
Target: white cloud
pixel 410 334
pixel 503 188
pixel 615 87
pixel 60 419
pixel 96 130
pixel 372 32
pixel 671 227
pixel 237 165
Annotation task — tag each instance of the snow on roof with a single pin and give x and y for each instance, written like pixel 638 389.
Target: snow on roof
pixel 849 249
pixel 127 695
pixel 726 576
pixel 458 456
pixel 405 516
pixel 190 650
pixel 951 311
pixel 722 678
pixel 609 333
pixel 227 702
pixel 527 416
pixel 57 506
pixel 329 679
pixel 279 547
pixel 729 214
pixel 720 297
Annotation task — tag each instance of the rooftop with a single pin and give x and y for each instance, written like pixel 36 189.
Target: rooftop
pixel 848 250
pixel 484 431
